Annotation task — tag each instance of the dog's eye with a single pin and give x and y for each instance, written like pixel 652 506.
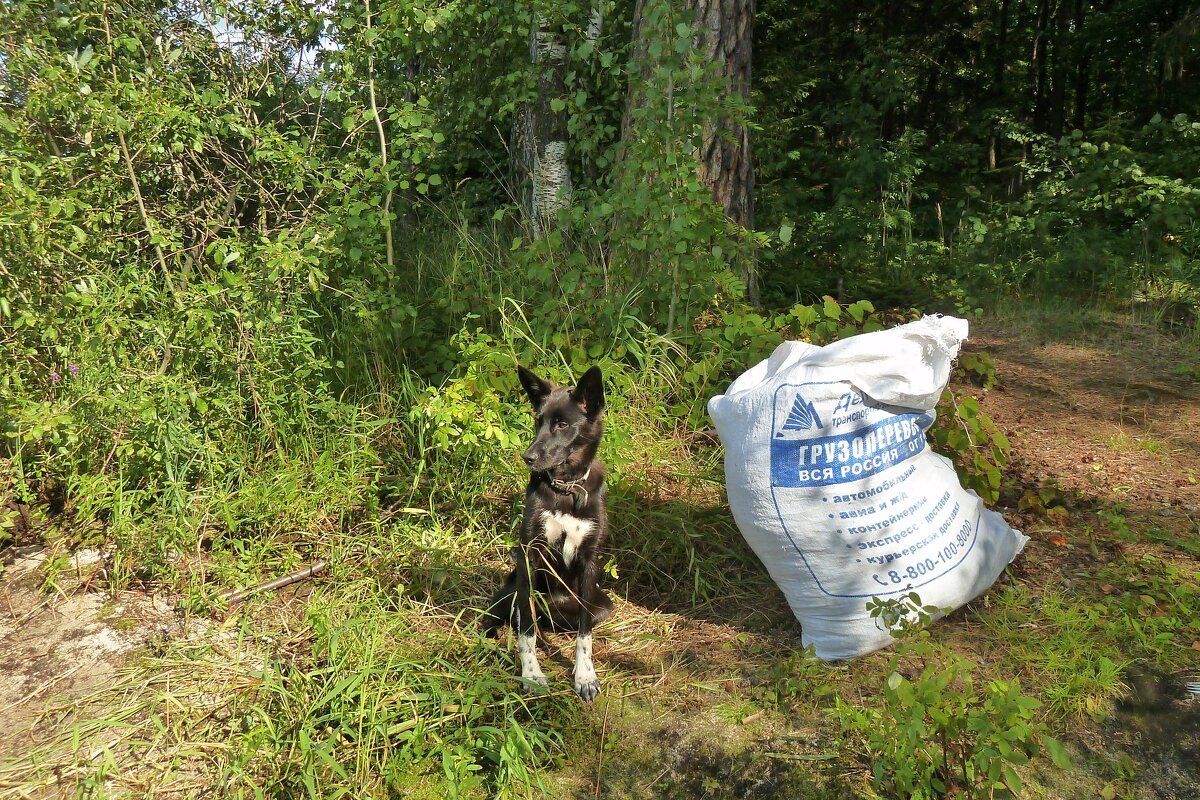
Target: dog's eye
pixel 561 425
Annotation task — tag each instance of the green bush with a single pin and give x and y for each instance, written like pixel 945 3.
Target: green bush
pixel 936 734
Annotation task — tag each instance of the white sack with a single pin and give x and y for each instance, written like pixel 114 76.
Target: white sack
pixel 833 485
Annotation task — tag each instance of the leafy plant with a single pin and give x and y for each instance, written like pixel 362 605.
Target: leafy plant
pixel 979 368
pixel 725 344
pixel 1047 501
pixel 973 442
pixel 936 734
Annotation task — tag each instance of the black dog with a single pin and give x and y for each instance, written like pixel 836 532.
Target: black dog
pixel 563 527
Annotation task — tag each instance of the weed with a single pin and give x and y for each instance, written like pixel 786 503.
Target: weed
pixel 1153 608
pixel 979 369
pixel 1187 371
pixel 1122 443
pixel 799 678
pixel 1055 643
pixel 1116 521
pixel 976 446
pixel 1047 501
pixel 936 735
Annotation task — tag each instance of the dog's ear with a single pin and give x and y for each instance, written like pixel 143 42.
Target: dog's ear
pixel 537 389
pixel 589 394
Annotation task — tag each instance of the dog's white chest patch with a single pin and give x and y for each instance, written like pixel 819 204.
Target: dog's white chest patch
pixel 571 530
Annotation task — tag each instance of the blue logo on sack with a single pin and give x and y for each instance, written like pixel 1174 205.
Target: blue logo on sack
pixel 802 417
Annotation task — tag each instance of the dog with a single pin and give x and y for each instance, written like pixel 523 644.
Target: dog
pixel 563 528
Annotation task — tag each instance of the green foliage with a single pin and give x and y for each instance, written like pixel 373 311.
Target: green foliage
pixel 645 230
pixel 973 442
pixel 1152 603
pixel 166 285
pixel 978 368
pixel 937 735
pixel 726 344
pixel 1075 656
pixel 998 149
pixel 366 705
pixel 661 220
pixel 262 299
pixel 1046 501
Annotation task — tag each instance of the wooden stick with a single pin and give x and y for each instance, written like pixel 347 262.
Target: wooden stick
pixel 311 571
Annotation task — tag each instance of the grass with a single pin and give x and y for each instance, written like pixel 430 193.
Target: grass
pixel 1048 318
pixel 1123 442
pixel 374 682
pixel 1053 642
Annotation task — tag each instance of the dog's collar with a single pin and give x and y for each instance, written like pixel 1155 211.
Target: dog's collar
pixel 574 488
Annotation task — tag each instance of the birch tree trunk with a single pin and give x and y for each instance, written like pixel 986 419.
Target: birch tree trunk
pixel 544 137
pixel 545 130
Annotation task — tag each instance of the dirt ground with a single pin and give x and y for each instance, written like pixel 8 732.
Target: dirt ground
pixel 1102 417
pixel 1110 418
pixel 59 644
pixel 1105 415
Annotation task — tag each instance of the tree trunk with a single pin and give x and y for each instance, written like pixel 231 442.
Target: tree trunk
pixel 888 123
pixel 1082 84
pixel 1000 60
pixel 1059 56
pixel 1037 63
pixel 725 28
pixel 723 34
pixel 999 66
pixel 544 130
pixel 925 103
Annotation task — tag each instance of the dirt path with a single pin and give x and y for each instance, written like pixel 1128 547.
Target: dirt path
pixel 1109 419
pixel 1102 417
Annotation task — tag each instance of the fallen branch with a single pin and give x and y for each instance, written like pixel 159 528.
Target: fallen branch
pixel 311 571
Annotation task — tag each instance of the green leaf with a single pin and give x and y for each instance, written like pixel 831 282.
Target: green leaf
pixel 1012 780
pixel 785 232
pixel 805 315
pixel 1058 753
pixel 557 104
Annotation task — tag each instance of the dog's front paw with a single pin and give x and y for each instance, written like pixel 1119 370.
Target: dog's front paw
pixel 587 687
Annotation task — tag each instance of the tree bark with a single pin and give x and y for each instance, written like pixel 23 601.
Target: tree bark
pixel 724 30
pixel 1000 61
pixel 544 130
pixel 999 66
pixel 1059 55
pixel 1037 63
pixel 925 103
